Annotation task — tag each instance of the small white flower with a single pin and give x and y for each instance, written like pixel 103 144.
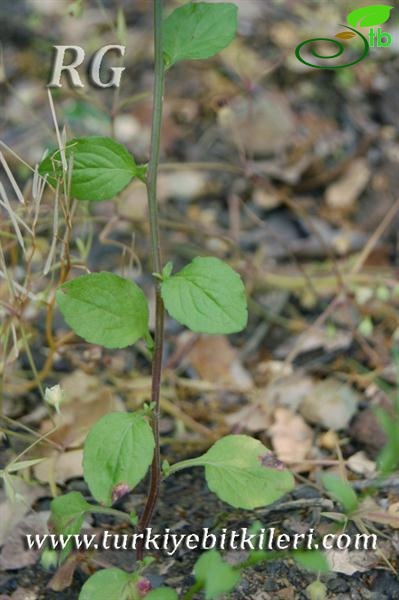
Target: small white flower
pixel 54 396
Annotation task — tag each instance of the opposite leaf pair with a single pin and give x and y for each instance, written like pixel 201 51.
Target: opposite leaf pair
pixel 207 296
pixel 119 449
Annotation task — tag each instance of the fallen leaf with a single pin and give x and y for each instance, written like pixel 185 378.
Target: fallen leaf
pixel 342 194
pixel 11 512
pixel 253 417
pixel 291 437
pixel 263 125
pixel 15 554
pixel 216 360
pixel 371 511
pixel 316 339
pixel 284 389
pixel 344 561
pixel 331 404
pixel 242 59
pixel 288 391
pixel 61 466
pixel 361 465
pixel 63 576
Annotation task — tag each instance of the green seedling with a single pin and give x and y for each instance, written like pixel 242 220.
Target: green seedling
pixel 215 577
pixel 388 459
pixel 341 491
pixel 207 296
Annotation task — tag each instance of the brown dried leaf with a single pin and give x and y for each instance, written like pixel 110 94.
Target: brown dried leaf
pixel 291 436
pixel 242 59
pixel 63 576
pixel 288 391
pixel 60 466
pixel 15 555
pixel 216 360
pixel 262 125
pixel 253 417
pixel 361 465
pixel 343 561
pixel 12 512
pixel 316 339
pixel 331 404
pixel 342 194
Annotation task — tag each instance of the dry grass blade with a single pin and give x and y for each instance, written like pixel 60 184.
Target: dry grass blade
pixel 11 177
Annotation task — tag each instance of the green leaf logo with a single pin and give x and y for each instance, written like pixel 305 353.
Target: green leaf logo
pixel 368 16
pixel 345 35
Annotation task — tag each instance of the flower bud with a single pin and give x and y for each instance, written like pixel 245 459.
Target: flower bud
pixel 54 396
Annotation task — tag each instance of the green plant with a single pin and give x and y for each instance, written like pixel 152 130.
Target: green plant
pixel 215 577
pixel 388 459
pixel 207 296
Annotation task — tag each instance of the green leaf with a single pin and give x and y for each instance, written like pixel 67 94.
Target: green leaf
pixel 216 576
pixel 207 296
pixel 388 458
pixel 341 491
pixel 117 453
pixel 162 593
pixel 314 560
pixel 68 513
pixel 107 584
pixel 104 309
pixel 198 31
pixel 236 470
pixel 101 167
pixel 368 16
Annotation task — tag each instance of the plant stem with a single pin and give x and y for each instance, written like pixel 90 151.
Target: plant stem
pixel 152 173
pixel 196 587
